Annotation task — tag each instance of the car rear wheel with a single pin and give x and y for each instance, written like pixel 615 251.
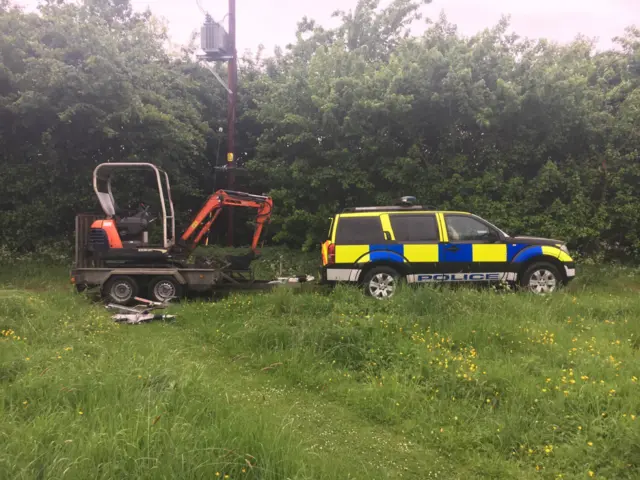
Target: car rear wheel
pixel 120 290
pixel 541 278
pixel 381 282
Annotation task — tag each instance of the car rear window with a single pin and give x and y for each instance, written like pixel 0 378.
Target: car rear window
pixel 359 231
pixel 415 228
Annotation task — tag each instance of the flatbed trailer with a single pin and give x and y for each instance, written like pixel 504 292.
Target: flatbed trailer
pixel 162 282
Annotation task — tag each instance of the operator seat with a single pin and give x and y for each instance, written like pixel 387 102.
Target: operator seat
pixel 131 227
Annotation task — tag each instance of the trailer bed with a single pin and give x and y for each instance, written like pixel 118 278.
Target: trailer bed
pixel 189 280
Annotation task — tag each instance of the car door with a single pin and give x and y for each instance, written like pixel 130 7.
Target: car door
pixel 418 236
pixel 472 251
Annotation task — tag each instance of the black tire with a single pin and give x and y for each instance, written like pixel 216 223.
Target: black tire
pixel 120 290
pixel 381 282
pixel 163 289
pixel 541 278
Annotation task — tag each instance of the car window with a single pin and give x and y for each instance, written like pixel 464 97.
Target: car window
pixel 415 228
pixel 462 228
pixel 359 230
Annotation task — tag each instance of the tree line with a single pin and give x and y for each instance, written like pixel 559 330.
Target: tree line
pixel 540 138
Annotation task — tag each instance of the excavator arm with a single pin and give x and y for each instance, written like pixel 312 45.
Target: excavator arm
pixel 213 206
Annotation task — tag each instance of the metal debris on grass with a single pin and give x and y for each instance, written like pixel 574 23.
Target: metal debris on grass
pixel 141 313
pixel 297 279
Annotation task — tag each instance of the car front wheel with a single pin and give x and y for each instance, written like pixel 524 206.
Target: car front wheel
pixel 541 278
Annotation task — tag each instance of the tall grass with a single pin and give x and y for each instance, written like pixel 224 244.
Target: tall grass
pixel 436 383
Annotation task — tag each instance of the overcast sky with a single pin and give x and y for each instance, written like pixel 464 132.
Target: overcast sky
pixel 273 22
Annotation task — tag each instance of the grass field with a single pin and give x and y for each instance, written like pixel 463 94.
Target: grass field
pixel 436 383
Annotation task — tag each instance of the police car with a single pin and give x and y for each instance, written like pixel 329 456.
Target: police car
pixel 377 247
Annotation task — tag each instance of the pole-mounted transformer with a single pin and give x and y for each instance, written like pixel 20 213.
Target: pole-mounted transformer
pixel 214 41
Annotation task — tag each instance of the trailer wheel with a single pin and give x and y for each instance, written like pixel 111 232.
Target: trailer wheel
pixel 163 289
pixel 120 290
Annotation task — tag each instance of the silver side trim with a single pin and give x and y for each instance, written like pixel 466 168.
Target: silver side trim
pixel 343 274
pixel 355 275
pixel 461 277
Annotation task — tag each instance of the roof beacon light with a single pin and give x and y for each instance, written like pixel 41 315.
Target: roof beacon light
pixel 406 201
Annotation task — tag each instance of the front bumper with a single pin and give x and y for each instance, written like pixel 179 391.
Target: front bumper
pixel 570 270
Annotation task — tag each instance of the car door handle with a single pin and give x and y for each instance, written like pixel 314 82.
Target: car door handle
pixel 452 248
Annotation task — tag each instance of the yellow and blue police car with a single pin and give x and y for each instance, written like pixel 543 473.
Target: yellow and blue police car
pixel 377 247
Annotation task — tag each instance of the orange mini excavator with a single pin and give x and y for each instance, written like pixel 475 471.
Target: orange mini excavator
pixel 123 240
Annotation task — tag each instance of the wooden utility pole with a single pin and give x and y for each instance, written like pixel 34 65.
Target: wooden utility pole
pixel 231 114
pixel 220 46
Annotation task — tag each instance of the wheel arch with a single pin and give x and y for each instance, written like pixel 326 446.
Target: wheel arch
pixel 543 259
pixel 400 267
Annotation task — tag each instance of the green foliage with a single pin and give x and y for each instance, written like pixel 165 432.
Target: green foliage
pixel 540 138
pixel 437 382
pixel 534 136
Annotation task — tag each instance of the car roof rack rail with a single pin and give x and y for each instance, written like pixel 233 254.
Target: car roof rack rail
pixel 393 208
pixel 402 204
